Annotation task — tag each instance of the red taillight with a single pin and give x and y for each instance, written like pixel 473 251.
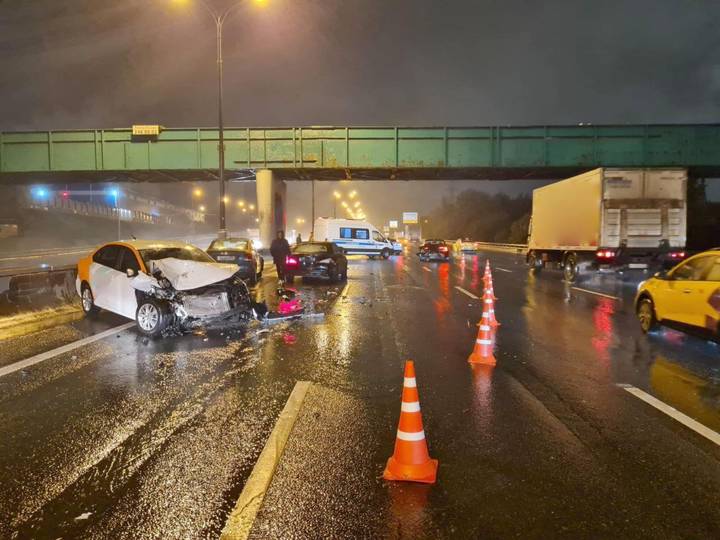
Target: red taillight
pixel 605 254
pixel 291 261
pixel 443 248
pixel 677 254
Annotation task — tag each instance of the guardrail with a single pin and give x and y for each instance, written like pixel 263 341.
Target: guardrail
pixel 507 248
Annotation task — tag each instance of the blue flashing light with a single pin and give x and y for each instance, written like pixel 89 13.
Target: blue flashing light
pixel 114 193
pixel 39 192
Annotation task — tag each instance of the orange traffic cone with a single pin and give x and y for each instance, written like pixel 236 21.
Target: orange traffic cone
pixel 489 308
pixel 489 285
pixel 483 350
pixel 410 461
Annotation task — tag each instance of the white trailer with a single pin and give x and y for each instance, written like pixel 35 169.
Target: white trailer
pixel 609 220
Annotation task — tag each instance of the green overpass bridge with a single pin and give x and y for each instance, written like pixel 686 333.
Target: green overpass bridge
pixel 362 153
pixel 274 155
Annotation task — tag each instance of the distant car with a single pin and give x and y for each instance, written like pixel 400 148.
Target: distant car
pixel 434 250
pixel 240 251
pixel 162 286
pixel 316 259
pixel 688 294
pixel 467 246
pixel 397 246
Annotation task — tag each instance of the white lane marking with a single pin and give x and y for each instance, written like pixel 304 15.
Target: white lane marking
pixel 22 364
pixel 503 269
pixel 672 412
pixel 426 269
pixel 596 293
pixel 471 295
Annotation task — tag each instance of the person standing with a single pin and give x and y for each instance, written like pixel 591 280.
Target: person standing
pixel 280 249
pixel 298 240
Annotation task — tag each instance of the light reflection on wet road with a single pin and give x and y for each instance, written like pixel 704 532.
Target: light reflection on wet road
pixel 155 439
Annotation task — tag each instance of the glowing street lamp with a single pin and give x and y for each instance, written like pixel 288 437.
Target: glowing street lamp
pixel 202 208
pixel 352 194
pixel 197 192
pixel 251 206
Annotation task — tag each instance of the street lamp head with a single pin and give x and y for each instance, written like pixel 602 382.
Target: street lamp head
pixel 226 199
pixel 251 206
pixel 202 208
pixel 241 204
pixel 198 192
pixel 352 194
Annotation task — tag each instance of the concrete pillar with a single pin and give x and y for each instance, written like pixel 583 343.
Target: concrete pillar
pixel 271 196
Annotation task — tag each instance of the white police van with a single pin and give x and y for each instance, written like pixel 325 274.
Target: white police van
pixel 354 236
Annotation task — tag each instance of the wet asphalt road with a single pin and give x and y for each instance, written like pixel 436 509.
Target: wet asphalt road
pixel 128 438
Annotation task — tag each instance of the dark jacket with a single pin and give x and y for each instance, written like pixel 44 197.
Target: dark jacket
pixel 279 249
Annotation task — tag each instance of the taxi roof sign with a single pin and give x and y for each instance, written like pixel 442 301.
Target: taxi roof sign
pixel 146 130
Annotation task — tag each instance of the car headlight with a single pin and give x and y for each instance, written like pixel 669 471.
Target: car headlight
pixel 258 244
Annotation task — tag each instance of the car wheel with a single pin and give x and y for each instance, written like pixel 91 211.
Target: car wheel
pixel 385 254
pixel 152 317
pixel 570 268
pixel 333 273
pixel 88 300
pixel 646 315
pixel 343 276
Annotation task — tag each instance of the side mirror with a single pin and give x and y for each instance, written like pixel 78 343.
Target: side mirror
pixel 131 272
pixel 663 274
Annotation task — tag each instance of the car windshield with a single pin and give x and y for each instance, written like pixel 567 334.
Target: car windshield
pixel 186 253
pixel 310 248
pixel 238 244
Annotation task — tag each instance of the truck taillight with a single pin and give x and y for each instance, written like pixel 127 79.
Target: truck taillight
pixel 677 254
pixel 605 254
pixel 291 261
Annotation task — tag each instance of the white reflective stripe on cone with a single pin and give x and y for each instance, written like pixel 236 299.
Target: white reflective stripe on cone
pixel 409 382
pixel 484 341
pixel 410 406
pixel 405 436
pixel 488 300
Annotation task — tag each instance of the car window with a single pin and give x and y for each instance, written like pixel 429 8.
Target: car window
pixel 128 260
pixel 378 237
pixel 186 253
pixel 107 256
pixel 693 269
pixel 714 271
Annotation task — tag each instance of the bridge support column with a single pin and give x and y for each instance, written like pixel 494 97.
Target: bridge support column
pixel 271 197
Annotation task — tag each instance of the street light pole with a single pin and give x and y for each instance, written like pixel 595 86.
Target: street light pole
pixel 219 19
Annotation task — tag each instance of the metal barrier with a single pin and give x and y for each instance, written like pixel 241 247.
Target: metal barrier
pixel 507 248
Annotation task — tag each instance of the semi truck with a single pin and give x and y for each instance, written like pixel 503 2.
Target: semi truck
pixel 609 220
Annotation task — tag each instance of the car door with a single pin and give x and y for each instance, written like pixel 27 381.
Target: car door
pixel 710 300
pixel 690 290
pixel 102 271
pixel 123 290
pixel 379 241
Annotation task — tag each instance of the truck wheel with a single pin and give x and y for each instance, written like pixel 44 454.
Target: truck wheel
pixel 570 268
pixel 152 317
pixel 646 315
pixel 385 254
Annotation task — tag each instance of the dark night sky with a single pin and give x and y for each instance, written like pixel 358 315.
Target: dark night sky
pixel 109 63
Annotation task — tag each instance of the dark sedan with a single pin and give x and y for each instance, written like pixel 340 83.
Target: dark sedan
pixel 242 252
pixel 437 250
pixel 316 259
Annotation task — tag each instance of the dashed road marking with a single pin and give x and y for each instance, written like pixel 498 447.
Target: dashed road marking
pixel 503 269
pixel 22 364
pixel 672 412
pixel 471 295
pixel 426 269
pixel 596 293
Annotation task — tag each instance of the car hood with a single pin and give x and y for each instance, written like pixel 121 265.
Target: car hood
pixel 186 275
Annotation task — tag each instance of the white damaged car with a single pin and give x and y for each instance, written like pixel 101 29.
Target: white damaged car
pixel 163 286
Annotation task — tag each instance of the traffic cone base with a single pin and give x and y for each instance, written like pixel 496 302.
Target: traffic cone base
pixel 425 473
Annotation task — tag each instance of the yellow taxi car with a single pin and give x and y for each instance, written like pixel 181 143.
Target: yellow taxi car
pixel 163 285
pixel 688 294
